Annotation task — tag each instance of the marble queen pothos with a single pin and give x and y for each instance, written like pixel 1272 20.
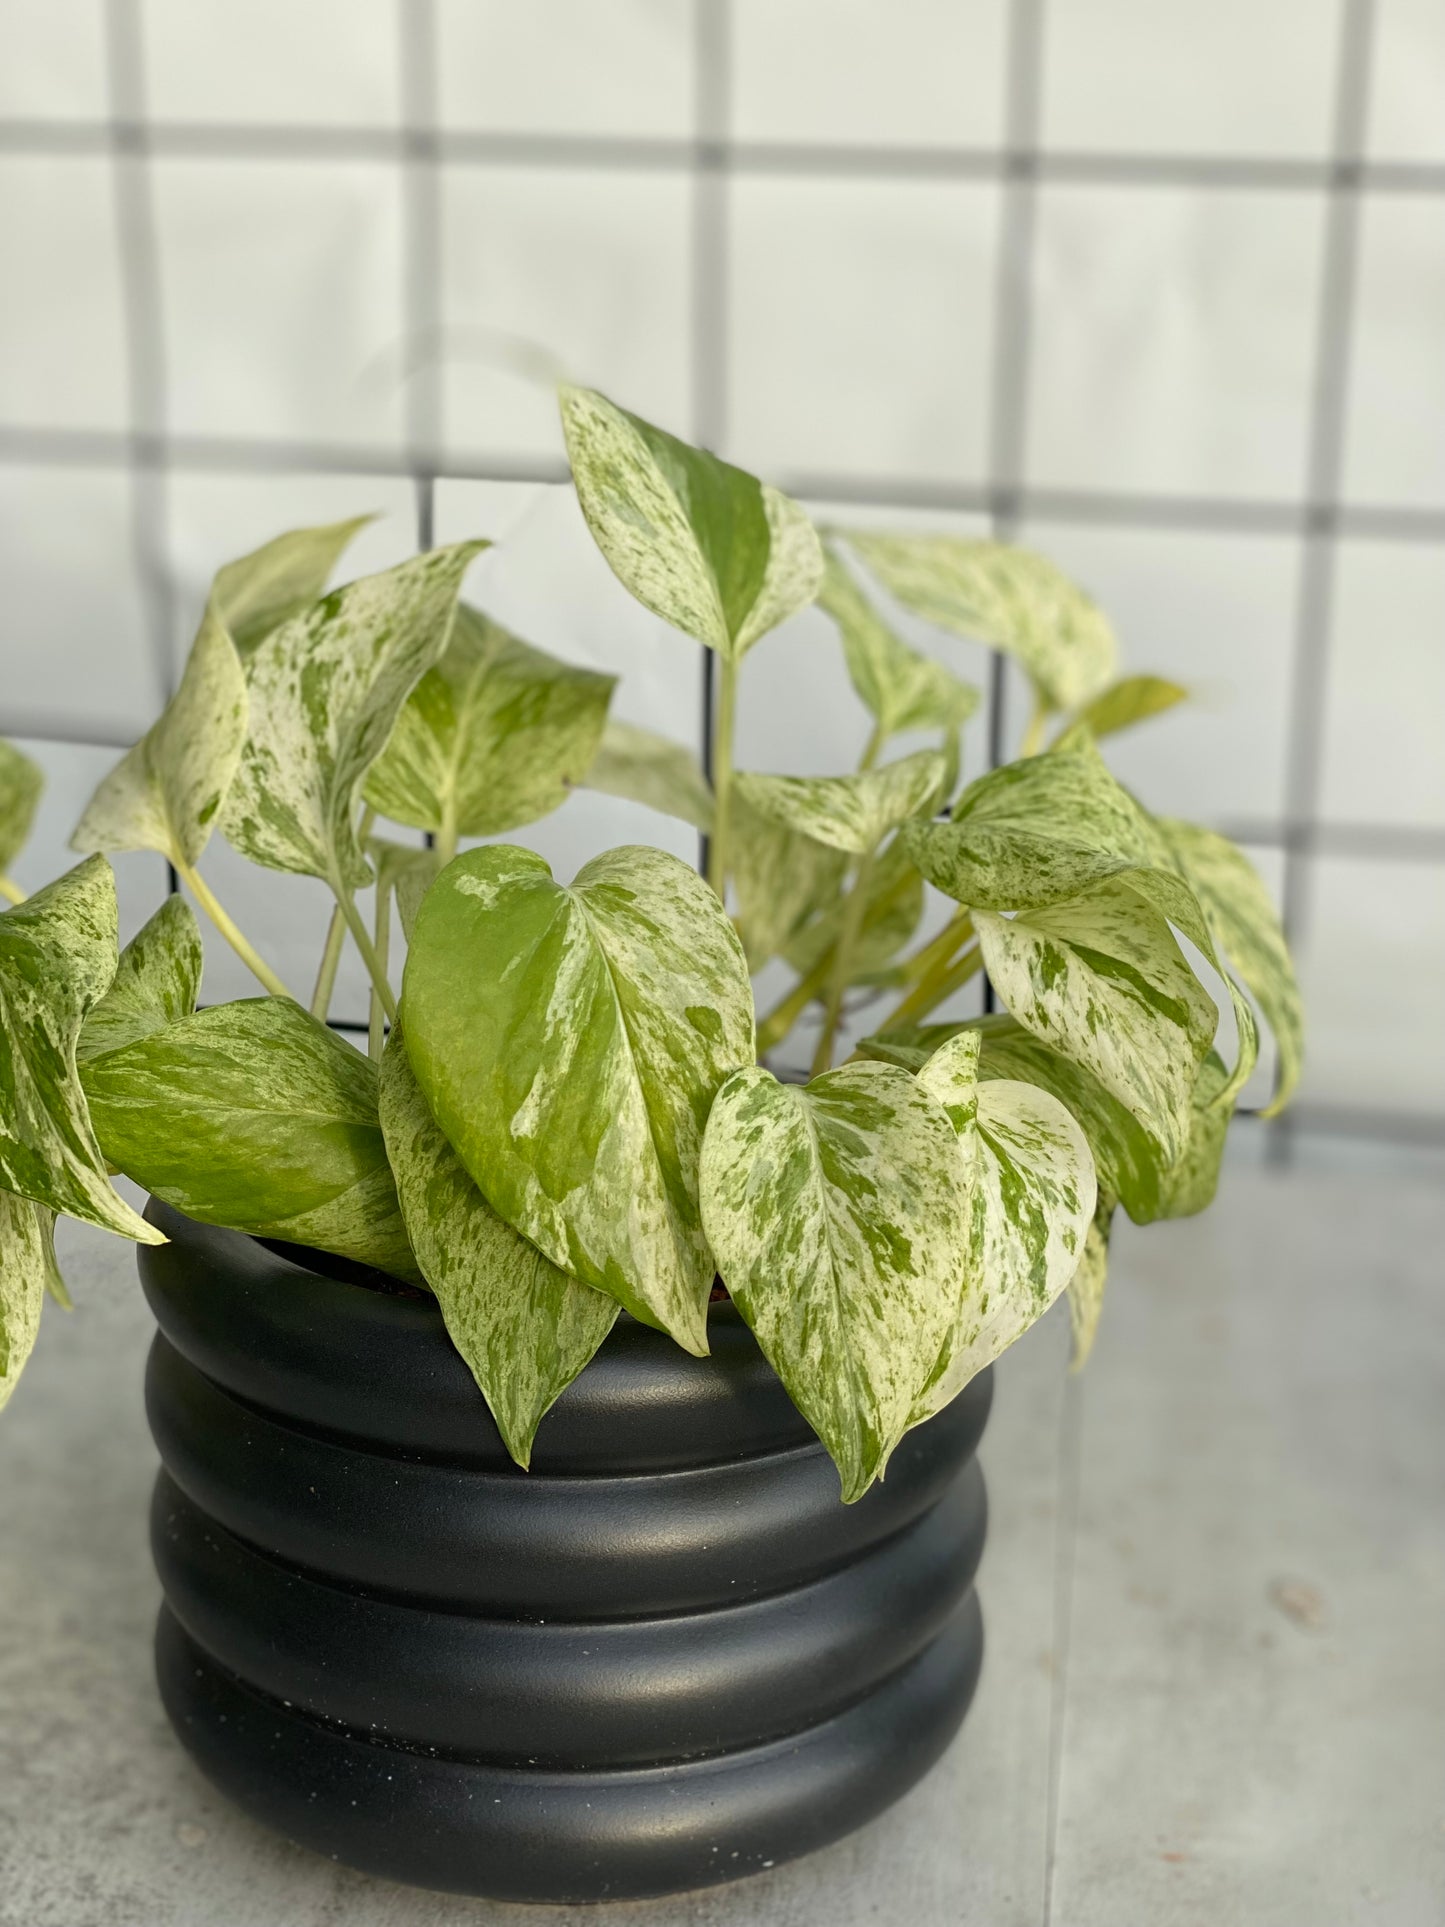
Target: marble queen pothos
pixel 570 1107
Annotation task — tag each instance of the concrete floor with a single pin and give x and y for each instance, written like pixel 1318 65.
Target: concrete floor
pixel 1214 1591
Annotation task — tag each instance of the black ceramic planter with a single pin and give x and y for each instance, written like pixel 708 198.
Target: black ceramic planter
pixel 665 1657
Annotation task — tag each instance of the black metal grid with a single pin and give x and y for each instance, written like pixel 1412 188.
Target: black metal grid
pixel 150 453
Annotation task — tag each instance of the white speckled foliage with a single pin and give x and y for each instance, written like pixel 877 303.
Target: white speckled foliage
pixel 900 688
pixel 852 813
pixel 27 1271
pixel 156 982
pixel 838 1213
pixel 21 782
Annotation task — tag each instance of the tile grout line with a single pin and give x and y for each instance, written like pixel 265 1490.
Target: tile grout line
pixel 1066 1546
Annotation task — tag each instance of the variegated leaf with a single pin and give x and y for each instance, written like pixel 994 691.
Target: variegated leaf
pixel 1086 1287
pixel 1133 699
pixel 838 1213
pixel 404 871
pixel 1246 927
pixel 496 735
pixel 57 959
pixel 1102 979
pixel 782 878
pixel 893 904
pixel 325 692
pixel 524 1327
pixel 258 592
pixel 27 1270
pixel 852 813
pixel 1007 597
pixel 646 768
pixel 1034 1192
pixel 1189 1185
pixel 156 982
pixel 900 688
pixel 569 1043
pixel 21 782
pixel 702 544
pixel 950 1076
pixel 255 1116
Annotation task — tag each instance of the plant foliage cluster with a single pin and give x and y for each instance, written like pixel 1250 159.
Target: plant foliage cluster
pixel 566 1109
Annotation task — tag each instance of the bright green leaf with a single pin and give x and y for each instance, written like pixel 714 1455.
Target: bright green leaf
pixel 258 592
pixel 27 1269
pixel 702 544
pixel 255 1116
pixel 496 735
pixel 21 782
pixel 1133 699
pixel 900 688
pixel 57 959
pixel 646 768
pixel 156 982
pixel 838 1213
pixel 524 1328
pixel 852 813
pixel 1007 597
pixel 325 692
pixel 569 1043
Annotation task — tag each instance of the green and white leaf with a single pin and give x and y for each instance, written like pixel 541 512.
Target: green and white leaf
pixel 704 545
pixel 1133 699
pixel 1190 1183
pixel 496 735
pixel 325 692
pixel 901 688
pixel 1086 1287
pixel 782 879
pixel 950 1076
pixel 838 1213
pixel 1245 925
pixel 21 782
pixel 524 1327
pixel 1102 980
pixel 27 1271
pixel 893 904
pixel 852 813
pixel 646 768
pixel 1034 1193
pixel 1007 597
pixel 156 982
pixel 57 959
pixel 569 1042
pixel 258 592
pixel 255 1116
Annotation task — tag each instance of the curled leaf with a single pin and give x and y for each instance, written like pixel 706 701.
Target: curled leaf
pixel 852 813
pixel 901 688
pixel 1133 699
pixel 21 782
pixel 156 982
pixel 647 768
pixel 27 1270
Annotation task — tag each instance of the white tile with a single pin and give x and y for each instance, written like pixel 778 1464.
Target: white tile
pixel 328 62
pixel 917 73
pixel 1386 688
pixel 861 325
pixel 1215 613
pixel 592 269
pixel 72 771
pixel 62 339
pixel 1407 103
pixel 566 66
pixel 1395 446
pixel 1173 337
pixel 1230 78
pixel 1372 965
pixel 54 65
pixel 73 636
pixel 282 287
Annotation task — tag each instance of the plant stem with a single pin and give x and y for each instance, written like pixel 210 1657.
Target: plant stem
pixel 1033 737
pixel 374 966
pixel 722 776
pixel 376 1021
pixel 784 1014
pixel 871 749
pixel 330 958
pixel 10 891
pixel 445 842
pixel 939 949
pixel 849 926
pixel 205 896
pixel 940 982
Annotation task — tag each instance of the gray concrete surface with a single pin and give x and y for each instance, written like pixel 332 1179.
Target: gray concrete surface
pixel 1215 1597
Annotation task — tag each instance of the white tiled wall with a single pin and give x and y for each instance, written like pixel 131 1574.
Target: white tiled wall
pixel 1169 360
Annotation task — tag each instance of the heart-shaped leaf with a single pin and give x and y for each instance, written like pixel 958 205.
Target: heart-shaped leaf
pixel 569 1043
pixel 524 1328
pixel 702 544
pixel 27 1270
pixel 838 1213
pixel 156 982
pixel 258 592
pixel 1007 597
pixel 1101 978
pixel 496 735
pixel 325 692
pixel 852 813
pixel 57 959
pixel 255 1116
pixel 1246 927
pixel 646 768
pixel 21 782
pixel 900 688
pixel 1133 699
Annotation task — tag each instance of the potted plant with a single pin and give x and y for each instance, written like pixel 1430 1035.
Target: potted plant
pixel 562 1214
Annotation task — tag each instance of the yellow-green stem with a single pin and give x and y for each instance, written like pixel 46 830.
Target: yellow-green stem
pixel 871 749
pixel 330 959
pixel 1033 738
pixel 784 1014
pixel 940 982
pixel 939 949
pixel 849 926
pixel 360 937
pixel 376 1024
pixel 254 962
pixel 445 841
pixel 11 892
pixel 722 776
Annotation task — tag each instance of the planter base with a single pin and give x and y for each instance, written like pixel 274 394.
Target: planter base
pixel 513 1833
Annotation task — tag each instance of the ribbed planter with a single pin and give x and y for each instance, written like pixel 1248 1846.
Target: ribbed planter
pixel 665 1657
